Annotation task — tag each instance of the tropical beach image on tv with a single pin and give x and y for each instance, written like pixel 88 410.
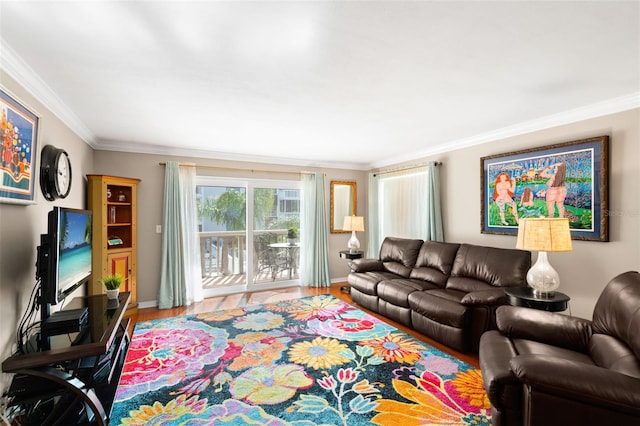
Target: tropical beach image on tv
pixel 74 250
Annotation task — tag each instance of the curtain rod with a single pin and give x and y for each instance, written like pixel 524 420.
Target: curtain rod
pixel 417 166
pixel 234 168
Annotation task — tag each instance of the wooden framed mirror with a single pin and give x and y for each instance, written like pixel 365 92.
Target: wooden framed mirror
pixel 343 203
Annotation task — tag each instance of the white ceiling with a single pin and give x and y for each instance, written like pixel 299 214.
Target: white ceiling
pixel 356 84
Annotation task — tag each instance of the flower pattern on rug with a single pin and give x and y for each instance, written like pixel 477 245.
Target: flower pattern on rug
pixel 310 361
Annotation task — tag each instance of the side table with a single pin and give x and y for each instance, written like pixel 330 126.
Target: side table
pixel 523 296
pixel 347 254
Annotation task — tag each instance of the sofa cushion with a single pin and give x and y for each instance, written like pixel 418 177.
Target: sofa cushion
pixel 397 291
pixel 434 262
pixel 475 267
pixel 440 305
pixel 367 282
pixel 610 352
pixel 398 255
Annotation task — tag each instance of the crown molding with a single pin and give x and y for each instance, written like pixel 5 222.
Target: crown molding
pixel 20 71
pixel 140 148
pixel 598 109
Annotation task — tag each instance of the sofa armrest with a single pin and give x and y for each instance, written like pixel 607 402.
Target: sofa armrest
pixel 494 296
pixel 577 381
pixel 546 327
pixel 366 265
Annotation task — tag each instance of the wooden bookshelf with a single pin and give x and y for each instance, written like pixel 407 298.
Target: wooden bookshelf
pixel 113 201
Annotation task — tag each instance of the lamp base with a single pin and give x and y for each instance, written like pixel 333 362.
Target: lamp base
pixel 353 243
pixel 542 277
pixel 543 294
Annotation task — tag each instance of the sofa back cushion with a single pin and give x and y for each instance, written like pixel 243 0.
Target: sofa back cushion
pixel 480 268
pixel 398 255
pixel 434 262
pixel 617 312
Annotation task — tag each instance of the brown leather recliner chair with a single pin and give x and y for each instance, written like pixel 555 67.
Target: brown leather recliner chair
pixel 543 368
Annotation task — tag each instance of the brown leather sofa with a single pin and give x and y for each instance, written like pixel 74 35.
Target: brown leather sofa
pixel 543 368
pixel 446 291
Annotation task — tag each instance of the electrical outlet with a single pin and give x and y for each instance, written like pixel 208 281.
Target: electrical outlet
pixel 158 229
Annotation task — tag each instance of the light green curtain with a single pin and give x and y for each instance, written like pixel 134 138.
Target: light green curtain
pixel 314 232
pixel 180 282
pixel 373 233
pixel 435 230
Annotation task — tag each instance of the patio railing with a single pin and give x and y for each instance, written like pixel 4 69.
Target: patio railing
pixel 224 252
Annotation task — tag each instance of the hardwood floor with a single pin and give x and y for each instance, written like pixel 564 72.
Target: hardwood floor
pixel 270 296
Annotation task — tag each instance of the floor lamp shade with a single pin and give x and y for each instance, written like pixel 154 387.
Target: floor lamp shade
pixel 544 235
pixel 353 224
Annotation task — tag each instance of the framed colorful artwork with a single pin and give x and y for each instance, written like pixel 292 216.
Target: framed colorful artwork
pixel 562 180
pixel 18 151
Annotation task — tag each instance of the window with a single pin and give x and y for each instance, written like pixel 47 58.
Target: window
pixel 401 206
pixel 240 254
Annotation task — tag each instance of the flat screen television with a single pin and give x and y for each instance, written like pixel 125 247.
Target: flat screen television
pixel 64 256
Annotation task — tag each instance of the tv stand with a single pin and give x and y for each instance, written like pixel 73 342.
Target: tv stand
pixel 75 381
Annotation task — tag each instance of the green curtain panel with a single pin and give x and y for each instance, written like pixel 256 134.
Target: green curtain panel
pixel 435 230
pixel 373 228
pixel 314 232
pixel 180 281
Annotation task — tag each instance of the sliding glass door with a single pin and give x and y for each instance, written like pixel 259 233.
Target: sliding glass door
pixel 239 257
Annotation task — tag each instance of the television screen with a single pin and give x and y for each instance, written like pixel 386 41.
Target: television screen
pixel 74 248
pixel 69 252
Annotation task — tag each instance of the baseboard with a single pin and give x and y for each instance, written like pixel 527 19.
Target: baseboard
pixel 150 304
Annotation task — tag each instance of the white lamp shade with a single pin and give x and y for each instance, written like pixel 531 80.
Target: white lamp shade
pixel 544 234
pixel 353 223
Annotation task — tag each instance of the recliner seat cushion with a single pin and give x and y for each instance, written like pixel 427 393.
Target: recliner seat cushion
pixel 531 347
pixel 443 310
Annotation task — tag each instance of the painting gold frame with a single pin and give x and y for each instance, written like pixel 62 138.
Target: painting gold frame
pixel 343 203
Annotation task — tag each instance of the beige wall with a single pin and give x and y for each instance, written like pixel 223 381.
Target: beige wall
pixel 21 225
pixel 585 270
pixel 150 196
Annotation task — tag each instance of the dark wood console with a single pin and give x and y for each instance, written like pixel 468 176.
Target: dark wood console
pixel 75 381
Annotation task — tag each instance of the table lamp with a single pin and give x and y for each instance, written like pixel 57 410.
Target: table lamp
pixel 353 224
pixel 543 235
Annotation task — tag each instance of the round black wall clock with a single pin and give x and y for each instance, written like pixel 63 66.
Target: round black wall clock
pixel 55 173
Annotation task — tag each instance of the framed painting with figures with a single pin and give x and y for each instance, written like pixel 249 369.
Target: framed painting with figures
pixel 563 180
pixel 18 151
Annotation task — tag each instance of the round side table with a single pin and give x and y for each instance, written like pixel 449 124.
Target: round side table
pixel 347 254
pixel 523 296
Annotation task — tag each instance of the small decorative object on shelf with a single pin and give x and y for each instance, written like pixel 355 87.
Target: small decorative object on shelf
pixel 114 241
pixel 122 197
pixel 112 284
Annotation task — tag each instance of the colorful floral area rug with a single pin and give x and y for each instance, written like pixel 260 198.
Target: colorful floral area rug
pixel 303 362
